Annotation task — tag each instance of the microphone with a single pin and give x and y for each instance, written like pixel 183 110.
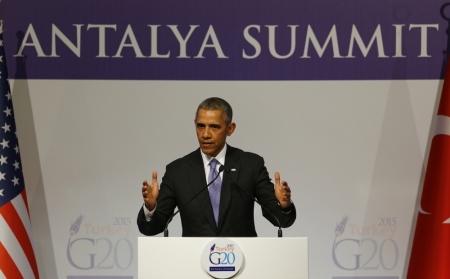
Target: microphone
pixel 166 231
pixel 280 232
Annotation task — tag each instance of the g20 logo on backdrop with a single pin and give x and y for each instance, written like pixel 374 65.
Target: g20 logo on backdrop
pixel 100 249
pixel 222 258
pixel 373 248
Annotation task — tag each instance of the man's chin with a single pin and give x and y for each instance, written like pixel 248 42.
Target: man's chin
pixel 208 151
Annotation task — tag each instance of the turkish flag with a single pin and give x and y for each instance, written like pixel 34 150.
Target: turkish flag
pixel 430 255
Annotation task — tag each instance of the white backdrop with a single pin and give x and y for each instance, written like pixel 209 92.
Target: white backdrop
pixel 351 149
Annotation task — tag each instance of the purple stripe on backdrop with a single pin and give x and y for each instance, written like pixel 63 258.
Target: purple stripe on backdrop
pixel 407 39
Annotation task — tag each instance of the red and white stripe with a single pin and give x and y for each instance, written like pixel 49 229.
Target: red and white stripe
pixel 16 250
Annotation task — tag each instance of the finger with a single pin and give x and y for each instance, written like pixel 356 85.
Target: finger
pixel 284 183
pixel 277 178
pixel 144 189
pixel 286 188
pixel 154 177
pixel 145 183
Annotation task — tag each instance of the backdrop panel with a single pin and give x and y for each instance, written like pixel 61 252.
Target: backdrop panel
pixel 351 150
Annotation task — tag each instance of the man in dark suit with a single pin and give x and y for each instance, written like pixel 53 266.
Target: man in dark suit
pixel 225 208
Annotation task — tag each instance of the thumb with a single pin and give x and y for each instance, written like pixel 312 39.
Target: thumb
pixel 277 178
pixel 155 178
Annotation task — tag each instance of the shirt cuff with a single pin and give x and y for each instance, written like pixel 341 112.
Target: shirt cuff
pixel 288 209
pixel 148 214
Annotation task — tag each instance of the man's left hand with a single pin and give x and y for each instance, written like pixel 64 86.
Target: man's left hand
pixel 282 191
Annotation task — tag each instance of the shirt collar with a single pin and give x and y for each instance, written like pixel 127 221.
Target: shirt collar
pixel 220 157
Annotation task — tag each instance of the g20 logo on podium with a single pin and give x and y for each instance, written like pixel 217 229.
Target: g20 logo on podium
pixel 222 258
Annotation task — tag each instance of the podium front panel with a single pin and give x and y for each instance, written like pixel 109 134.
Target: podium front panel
pixel 180 257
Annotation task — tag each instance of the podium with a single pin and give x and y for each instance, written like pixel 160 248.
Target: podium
pixel 180 257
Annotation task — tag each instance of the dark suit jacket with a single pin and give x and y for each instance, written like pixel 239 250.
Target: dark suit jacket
pixel 185 177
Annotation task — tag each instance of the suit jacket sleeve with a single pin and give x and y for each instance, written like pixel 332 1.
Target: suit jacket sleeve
pixel 165 205
pixel 265 194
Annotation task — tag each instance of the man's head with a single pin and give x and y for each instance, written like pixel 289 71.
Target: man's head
pixel 213 125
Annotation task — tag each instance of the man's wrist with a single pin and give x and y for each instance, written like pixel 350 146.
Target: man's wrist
pixel 149 206
pixel 288 209
pixel 148 213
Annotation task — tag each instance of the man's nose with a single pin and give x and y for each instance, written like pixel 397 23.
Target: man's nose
pixel 206 133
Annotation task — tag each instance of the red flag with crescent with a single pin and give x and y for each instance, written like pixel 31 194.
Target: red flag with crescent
pixel 430 253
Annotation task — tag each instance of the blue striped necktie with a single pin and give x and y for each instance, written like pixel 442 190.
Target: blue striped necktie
pixel 214 189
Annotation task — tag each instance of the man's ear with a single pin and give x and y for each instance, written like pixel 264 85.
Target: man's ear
pixel 231 128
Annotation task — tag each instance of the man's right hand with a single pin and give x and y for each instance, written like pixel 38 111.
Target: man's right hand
pixel 150 192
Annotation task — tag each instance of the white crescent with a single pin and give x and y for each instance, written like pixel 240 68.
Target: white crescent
pixel 422 211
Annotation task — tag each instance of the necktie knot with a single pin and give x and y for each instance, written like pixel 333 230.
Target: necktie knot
pixel 213 164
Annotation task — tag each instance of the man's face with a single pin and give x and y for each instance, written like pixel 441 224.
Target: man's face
pixel 212 131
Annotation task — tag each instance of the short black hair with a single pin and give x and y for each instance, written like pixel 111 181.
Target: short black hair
pixel 215 103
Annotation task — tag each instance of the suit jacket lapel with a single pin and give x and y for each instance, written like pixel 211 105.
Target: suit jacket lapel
pixel 233 165
pixel 198 180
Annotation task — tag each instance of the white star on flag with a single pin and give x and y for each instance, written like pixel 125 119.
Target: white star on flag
pixel 6 127
pixel 16 181
pixel 16 149
pixel 3 160
pixel 7 111
pixel 1 192
pixel 2 175
pixel 1 43
pixel 4 143
pixel 8 96
pixel 1 58
pixel 16 165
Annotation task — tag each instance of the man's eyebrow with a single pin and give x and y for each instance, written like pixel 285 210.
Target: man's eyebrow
pixel 214 125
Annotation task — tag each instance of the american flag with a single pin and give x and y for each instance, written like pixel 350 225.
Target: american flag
pixel 17 258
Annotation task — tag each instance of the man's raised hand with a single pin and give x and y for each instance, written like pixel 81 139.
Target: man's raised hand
pixel 282 191
pixel 150 192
